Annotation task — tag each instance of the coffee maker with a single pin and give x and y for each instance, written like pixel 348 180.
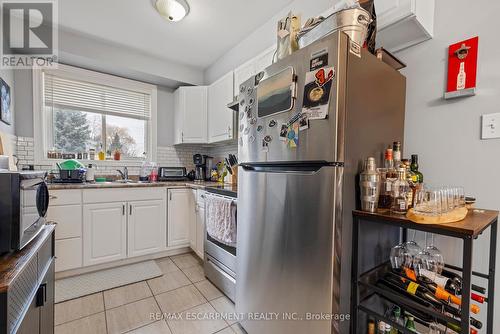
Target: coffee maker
pixel 200 167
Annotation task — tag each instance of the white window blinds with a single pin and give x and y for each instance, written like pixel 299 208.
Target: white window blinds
pixel 72 94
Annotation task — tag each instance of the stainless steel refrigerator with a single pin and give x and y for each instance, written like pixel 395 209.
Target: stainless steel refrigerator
pixel 305 125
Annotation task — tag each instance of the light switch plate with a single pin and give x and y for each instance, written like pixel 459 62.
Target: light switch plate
pixel 490 126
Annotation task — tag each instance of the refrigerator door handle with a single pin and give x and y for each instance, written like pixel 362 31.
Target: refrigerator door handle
pixel 310 168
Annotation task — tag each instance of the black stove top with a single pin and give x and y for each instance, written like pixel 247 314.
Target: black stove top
pixel 230 190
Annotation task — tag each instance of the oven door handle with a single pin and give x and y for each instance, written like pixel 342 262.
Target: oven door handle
pixel 42 199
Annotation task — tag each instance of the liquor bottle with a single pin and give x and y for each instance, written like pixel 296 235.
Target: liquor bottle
pixel 371 326
pixel 396 154
pixel 441 281
pixel 409 178
pixel 385 196
pixel 436 284
pixel 410 324
pixel 381 327
pixel 419 177
pixel 457 279
pixel 388 329
pixel 400 191
pixel 442 294
pixel 396 318
pixel 461 77
pixel 412 288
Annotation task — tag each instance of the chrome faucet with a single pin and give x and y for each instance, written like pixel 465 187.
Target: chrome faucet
pixel 123 174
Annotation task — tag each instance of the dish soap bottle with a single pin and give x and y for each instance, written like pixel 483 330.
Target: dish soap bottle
pixel 102 154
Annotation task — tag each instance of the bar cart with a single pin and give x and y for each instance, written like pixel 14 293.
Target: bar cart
pixel 373 236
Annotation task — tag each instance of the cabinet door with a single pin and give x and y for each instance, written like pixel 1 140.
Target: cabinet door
pixel 178 117
pixel 147 227
pixel 68 254
pixel 200 230
pixel 194 129
pixel 220 117
pixel 192 224
pixel 68 219
pixel 392 11
pixel 264 60
pixel 180 214
pixel 47 310
pixel 31 321
pixel 242 74
pixel 104 233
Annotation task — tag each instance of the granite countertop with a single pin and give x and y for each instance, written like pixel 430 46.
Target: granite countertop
pixel 103 185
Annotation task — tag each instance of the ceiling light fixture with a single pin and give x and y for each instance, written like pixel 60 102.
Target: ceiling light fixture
pixel 172 10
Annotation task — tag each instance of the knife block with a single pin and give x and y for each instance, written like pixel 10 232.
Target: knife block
pixel 234 176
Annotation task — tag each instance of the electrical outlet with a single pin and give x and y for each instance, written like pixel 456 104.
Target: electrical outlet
pixel 490 126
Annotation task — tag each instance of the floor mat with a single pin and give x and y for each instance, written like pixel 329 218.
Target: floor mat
pixel 86 284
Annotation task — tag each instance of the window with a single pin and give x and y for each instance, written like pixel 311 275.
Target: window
pixel 82 110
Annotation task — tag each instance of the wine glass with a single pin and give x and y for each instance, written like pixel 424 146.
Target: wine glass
pixel 422 261
pixel 412 249
pixel 398 256
pixel 437 257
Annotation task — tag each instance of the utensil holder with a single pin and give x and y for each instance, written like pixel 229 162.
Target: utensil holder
pixel 234 176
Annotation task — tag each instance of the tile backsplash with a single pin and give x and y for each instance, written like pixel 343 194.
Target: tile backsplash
pixel 172 156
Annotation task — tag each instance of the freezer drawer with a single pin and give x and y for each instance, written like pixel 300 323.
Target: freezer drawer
pixel 286 237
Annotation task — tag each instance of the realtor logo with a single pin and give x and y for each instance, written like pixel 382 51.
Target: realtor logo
pixel 29 33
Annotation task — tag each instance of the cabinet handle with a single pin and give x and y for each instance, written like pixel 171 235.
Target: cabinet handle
pixel 182 137
pixel 123 209
pixel 130 212
pixel 41 295
pixel 52 197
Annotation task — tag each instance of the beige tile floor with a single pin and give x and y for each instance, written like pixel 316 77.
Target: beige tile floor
pixel 182 290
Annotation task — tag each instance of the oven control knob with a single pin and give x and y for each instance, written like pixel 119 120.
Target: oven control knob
pixel 268 139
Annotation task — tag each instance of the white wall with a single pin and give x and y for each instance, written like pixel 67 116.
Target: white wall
pixel 263 37
pixel 446 134
pixel 8 77
pixel 103 56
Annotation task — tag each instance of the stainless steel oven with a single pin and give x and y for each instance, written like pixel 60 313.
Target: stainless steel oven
pixel 24 199
pixel 220 259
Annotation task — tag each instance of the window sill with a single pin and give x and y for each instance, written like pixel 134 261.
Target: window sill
pixel 98 163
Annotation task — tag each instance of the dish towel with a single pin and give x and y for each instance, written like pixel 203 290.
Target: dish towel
pixel 221 219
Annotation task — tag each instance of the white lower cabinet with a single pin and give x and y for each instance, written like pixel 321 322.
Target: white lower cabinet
pixel 68 219
pixel 180 215
pixel 104 233
pixel 146 227
pixel 68 254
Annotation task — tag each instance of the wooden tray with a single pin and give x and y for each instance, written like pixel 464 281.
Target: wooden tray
pixel 449 217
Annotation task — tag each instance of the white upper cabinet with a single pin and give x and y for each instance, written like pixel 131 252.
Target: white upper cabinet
pixel 403 23
pixel 220 117
pixel 191 115
pixel 242 74
pixel 252 67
